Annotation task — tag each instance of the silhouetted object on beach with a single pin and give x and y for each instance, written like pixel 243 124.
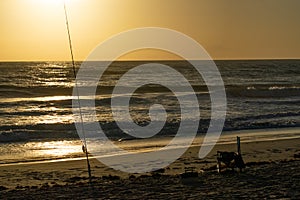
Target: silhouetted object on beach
pixel 159 171
pixel 83 149
pixel 297 155
pixel 189 172
pixel 231 159
pixel 84 143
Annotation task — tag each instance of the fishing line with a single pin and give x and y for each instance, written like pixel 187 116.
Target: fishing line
pixel 77 92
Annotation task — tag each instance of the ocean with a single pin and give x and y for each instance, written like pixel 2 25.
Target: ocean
pixel 37 122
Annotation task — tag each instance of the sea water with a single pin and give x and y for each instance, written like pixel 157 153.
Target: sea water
pixel 37 122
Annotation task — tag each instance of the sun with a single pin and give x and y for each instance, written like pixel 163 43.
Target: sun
pixel 52 2
pixel 50 7
pixel 46 3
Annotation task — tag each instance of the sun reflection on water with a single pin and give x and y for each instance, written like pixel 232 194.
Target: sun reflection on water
pixel 41 99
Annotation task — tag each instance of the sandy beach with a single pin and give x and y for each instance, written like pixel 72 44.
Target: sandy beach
pixel 272 172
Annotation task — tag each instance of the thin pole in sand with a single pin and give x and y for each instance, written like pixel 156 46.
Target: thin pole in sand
pixel 78 99
pixel 238 141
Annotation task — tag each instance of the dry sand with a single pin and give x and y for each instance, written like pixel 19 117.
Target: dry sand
pixel 272 172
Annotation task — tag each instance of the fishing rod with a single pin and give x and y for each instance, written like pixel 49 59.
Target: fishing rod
pixel 84 146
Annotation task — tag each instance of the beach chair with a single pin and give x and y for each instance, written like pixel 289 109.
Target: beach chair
pixel 230 159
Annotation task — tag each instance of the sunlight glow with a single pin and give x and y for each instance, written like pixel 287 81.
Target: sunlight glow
pixel 55 148
pixel 53 1
pixel 36 29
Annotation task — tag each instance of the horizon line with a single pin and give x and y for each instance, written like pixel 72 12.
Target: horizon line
pixel 146 60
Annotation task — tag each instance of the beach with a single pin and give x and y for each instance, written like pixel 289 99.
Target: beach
pixel 272 172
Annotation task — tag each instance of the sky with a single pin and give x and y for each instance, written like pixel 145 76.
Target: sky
pixel 35 30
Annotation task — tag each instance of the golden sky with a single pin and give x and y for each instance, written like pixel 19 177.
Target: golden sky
pixel 227 29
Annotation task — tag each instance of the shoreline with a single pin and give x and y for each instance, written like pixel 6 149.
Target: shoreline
pixel 266 162
pixel 227 138
pixel 249 149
